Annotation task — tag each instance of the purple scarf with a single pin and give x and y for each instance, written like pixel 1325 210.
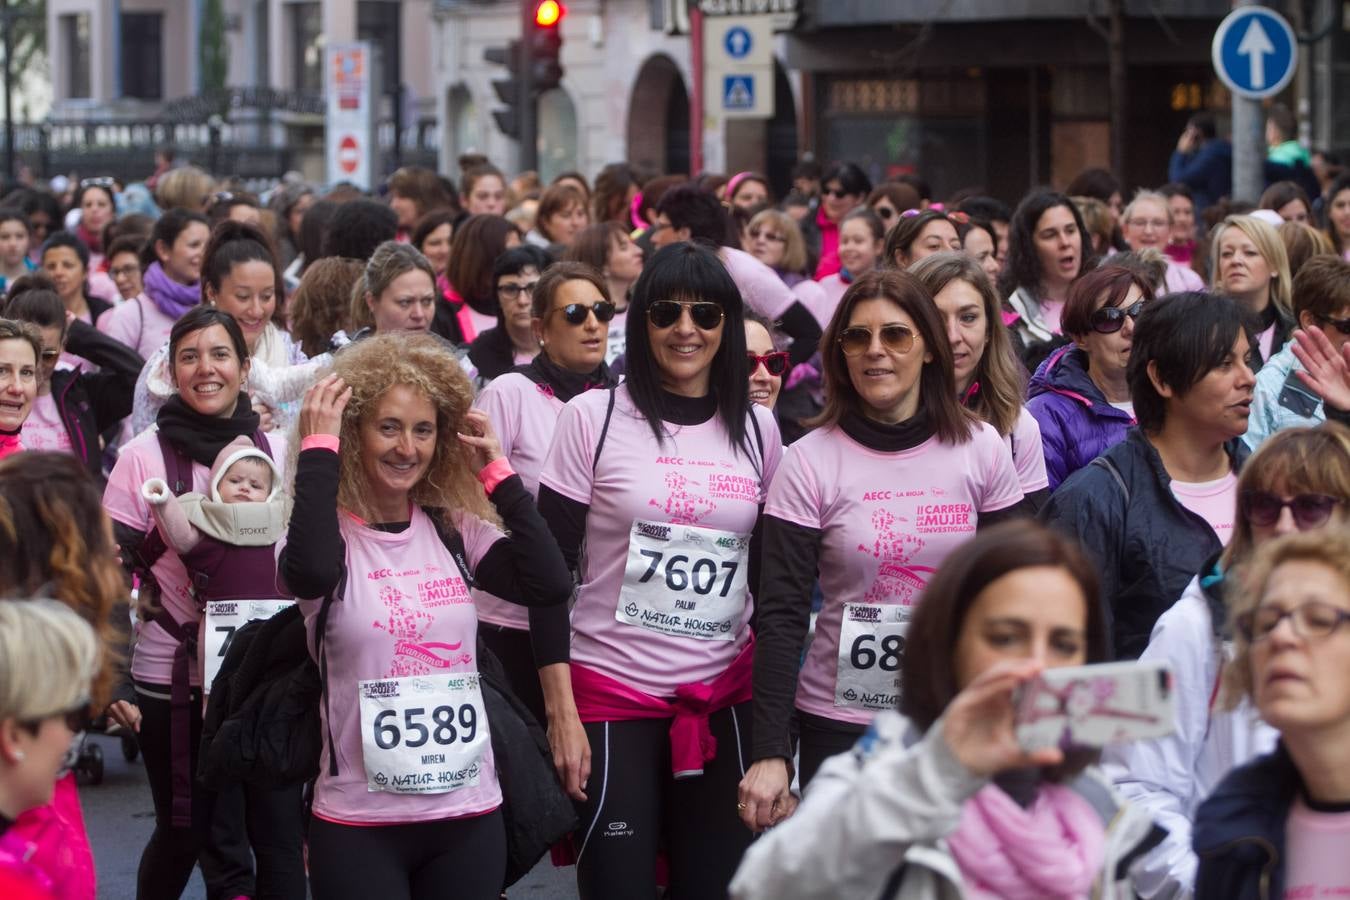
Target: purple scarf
pixel 172 298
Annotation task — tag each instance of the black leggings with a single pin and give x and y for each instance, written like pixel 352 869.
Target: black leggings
pixel 512 648
pixel 821 738
pixel 255 823
pixel 635 807
pixel 460 858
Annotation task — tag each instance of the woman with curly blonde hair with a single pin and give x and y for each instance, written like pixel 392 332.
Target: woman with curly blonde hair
pixel 395 488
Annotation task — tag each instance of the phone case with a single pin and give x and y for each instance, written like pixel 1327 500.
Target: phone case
pixel 1092 706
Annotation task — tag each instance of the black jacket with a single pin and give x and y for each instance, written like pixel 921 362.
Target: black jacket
pixel 1147 545
pixel 1239 831
pixel 92 402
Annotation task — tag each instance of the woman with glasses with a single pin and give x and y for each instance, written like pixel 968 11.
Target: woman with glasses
pixel 896 475
pixel 920 233
pixel 662 478
pixel 1147 223
pixel 768 364
pixel 1250 266
pixel 989 380
pixel 1156 505
pixel 1299 481
pixel 1080 395
pixel 843 187
pixel 570 314
pixel 512 342
pixel 889 199
pixel 1278 826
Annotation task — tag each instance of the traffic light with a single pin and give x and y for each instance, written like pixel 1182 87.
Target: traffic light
pixel 545 45
pixel 507 89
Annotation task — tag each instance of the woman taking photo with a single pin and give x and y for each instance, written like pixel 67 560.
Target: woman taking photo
pixel 988 379
pixel 512 341
pixel 606 247
pixel 843 187
pixel 172 259
pixel 1080 395
pixel 1298 481
pixel 209 366
pixel 662 479
pixel 1276 827
pixel 20 351
pixel 1154 507
pixel 1047 250
pixel 920 233
pixel 571 312
pixel 385 484
pixel 1250 266
pixel 470 305
pixel 892 417
pixel 940 800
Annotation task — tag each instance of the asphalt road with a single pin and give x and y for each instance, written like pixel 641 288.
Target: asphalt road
pixel 119 817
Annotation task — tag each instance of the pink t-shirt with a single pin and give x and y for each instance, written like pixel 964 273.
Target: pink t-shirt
pixel 1028 453
pixel 140 460
pixel 1181 278
pixel 1316 864
pixel 1265 340
pixel 1214 501
pixel 760 287
pixel 887 521
pixel 139 324
pixel 43 429
pixel 832 288
pixel 524 415
pixel 1051 313
pixel 406 612
pixel 692 478
pixel 481 322
pixel 811 295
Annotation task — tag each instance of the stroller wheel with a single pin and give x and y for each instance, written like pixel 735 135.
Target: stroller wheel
pixel 130 748
pixel 93 762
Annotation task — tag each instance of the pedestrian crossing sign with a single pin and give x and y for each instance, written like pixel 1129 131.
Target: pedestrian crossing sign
pixel 738 93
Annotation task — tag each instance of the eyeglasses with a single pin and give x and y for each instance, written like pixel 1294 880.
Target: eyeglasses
pixel 576 313
pixel 1313 619
pixel 1264 508
pixel 836 193
pixel 885 213
pixel 775 363
pixel 665 313
pixel 1341 325
pixel 121 271
pixel 856 341
pixel 50 355
pixel 102 181
pixel 513 291
pixel 1158 224
pixel 1110 319
pixel 756 234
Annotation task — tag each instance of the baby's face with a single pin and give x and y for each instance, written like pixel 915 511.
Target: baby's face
pixel 246 481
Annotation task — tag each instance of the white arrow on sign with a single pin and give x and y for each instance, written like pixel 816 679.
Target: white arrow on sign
pixel 738 39
pixel 1255 45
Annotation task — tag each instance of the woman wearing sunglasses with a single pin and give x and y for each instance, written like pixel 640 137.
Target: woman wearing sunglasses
pixel 512 342
pixel 1156 505
pixel 844 186
pixel 896 475
pixel 1278 826
pixel 1299 481
pixel 571 315
pixel 1080 395
pixel 768 364
pixel 989 380
pixel 662 478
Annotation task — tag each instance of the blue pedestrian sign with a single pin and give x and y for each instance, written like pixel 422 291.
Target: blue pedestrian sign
pixel 738 92
pixel 1255 53
pixel 738 42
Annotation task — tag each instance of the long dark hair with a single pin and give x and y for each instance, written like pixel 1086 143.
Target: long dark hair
pixel 691 272
pixel 167 229
pixel 233 243
pixel 1023 268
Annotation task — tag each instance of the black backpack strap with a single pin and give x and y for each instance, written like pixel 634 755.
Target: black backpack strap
pixel 320 627
pixel 1103 462
pixel 759 443
pixel 453 541
pixel 604 430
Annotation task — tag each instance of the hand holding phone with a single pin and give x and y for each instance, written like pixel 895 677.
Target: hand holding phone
pixel 1092 706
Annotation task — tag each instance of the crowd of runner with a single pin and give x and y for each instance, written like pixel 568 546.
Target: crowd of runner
pixel 697 535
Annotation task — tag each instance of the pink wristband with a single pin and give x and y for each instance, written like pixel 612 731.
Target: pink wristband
pixel 320 442
pixel 494 473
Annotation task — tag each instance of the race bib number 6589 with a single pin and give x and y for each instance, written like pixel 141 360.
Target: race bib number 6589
pixel 423 734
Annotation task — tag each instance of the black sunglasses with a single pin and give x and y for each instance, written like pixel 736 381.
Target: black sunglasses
pixel 1110 319
pixel 1264 508
pixel 1341 325
pixel 837 193
pixel 775 363
pixel 576 313
pixel 665 313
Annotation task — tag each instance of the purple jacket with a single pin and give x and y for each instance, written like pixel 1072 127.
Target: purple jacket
pixel 1077 424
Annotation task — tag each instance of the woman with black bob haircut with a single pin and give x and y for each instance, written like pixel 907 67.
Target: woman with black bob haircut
pixel 512 341
pixel 1154 507
pixel 1048 247
pixel 662 477
pixel 939 799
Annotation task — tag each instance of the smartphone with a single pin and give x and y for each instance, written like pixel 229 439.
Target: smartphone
pixel 1092 706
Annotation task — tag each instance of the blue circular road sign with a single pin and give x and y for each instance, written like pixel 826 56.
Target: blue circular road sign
pixel 1255 52
pixel 738 42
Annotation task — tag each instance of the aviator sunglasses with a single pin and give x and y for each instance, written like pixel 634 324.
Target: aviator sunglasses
pixel 576 313
pixel 856 340
pixel 665 313
pixel 1110 319
pixel 1263 508
pixel 774 363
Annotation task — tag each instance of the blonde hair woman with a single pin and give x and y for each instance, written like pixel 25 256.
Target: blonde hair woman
pixel 1250 265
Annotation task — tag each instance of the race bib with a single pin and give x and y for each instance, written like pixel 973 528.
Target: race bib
pixel 423 734
pixel 223 619
pixel 871 646
pixel 684 580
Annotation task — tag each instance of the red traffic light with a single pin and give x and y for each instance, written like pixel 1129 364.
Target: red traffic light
pixel 549 13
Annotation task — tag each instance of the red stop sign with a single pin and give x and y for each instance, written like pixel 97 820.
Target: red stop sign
pixel 348 156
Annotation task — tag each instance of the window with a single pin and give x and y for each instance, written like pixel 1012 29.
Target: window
pixel 377 21
pixel 307 46
pixel 143 55
pixel 75 45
